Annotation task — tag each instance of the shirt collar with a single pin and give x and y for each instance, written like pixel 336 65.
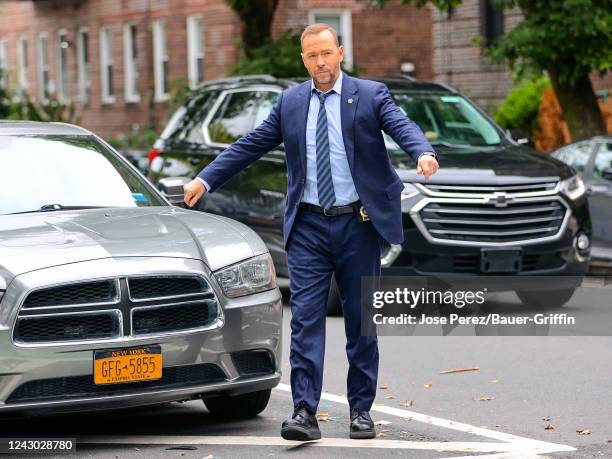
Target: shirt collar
pixel 337 85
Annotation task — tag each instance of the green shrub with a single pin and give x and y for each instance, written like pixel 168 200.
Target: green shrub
pixel 519 110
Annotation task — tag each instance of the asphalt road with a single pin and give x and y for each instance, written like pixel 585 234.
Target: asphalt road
pixel 535 381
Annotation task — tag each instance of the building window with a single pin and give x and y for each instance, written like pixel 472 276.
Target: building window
pixel 492 22
pixel 43 67
pixel 22 63
pixel 106 65
pixel 339 19
pixel 83 65
pixel 62 66
pixel 130 62
pixel 195 50
pixel 3 64
pixel 160 61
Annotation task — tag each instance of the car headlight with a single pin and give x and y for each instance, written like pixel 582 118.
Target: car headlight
pixel 251 276
pixel 572 187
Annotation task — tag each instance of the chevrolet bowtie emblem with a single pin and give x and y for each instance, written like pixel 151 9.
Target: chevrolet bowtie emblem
pixel 500 199
pixel 350 101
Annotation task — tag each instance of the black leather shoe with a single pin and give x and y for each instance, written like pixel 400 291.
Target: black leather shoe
pixel 362 425
pixel 302 426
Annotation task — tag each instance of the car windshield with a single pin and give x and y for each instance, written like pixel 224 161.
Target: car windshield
pixel 447 120
pixel 61 172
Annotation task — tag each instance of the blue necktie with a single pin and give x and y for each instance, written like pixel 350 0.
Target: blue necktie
pixel 325 185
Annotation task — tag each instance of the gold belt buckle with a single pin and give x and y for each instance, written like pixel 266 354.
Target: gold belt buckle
pixel 363 214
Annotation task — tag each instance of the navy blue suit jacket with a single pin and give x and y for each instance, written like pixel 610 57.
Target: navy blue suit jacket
pixel 370 110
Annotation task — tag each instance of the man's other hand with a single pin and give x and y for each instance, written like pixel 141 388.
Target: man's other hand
pixel 193 190
pixel 427 166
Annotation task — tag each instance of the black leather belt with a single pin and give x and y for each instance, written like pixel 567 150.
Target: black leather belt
pixel 332 211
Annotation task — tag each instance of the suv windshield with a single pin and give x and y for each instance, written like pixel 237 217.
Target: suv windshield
pixel 69 171
pixel 446 119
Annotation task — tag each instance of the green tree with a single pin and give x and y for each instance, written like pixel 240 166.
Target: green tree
pixel 566 38
pixel 256 21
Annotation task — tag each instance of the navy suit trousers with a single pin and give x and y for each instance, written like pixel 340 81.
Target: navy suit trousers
pixel 318 247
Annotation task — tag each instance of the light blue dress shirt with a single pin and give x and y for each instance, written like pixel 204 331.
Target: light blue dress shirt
pixel 344 188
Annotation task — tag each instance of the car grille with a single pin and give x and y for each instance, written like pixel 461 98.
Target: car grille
pixel 132 307
pixel 83 386
pixel 494 216
pixel 80 293
pixel 68 328
pixel 520 189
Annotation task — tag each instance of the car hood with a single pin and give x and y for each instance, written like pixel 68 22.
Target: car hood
pixel 505 165
pixel 39 240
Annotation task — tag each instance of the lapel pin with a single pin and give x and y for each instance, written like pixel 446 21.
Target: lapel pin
pixel 350 101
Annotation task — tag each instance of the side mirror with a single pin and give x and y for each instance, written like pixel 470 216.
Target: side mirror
pixel 518 135
pixel 172 188
pixel 607 173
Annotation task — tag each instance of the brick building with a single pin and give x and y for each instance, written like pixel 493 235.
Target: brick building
pixel 117 59
pixel 458 62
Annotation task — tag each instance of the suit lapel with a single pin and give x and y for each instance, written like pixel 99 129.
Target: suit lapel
pixel 303 103
pixel 348 106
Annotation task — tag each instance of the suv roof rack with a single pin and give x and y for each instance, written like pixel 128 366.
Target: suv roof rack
pixel 401 76
pixel 238 79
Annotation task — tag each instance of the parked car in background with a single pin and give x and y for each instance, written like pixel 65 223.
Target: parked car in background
pixel 592 159
pixel 494 208
pixel 112 297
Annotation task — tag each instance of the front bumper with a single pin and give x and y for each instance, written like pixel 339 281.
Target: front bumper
pixel 558 256
pixel 60 378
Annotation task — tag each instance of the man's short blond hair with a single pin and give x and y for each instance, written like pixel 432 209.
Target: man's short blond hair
pixel 314 29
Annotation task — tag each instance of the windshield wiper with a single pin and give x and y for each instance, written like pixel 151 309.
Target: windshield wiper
pixel 54 207
pixel 452 145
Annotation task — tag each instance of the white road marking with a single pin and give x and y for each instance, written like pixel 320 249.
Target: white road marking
pixel 512 443
pixel 324 442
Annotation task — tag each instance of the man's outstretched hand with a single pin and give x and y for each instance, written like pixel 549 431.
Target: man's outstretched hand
pixel 427 166
pixel 194 190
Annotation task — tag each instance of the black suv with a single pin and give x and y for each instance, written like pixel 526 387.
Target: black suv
pixel 495 206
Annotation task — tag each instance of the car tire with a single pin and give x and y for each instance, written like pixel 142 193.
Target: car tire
pixel 545 299
pixel 241 406
pixel 334 304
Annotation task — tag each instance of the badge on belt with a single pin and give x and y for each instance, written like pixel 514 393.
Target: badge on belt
pixel 363 215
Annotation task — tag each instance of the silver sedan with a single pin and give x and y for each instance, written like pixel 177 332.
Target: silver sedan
pixel 110 296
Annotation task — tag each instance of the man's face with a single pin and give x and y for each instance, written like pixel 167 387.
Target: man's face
pixel 322 57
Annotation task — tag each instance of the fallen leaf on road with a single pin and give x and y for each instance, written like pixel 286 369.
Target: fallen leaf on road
pixel 407 403
pixel 547 418
pixel 380 434
pixel 323 417
pixel 550 426
pixel 583 431
pixel 458 370
pixel 408 418
pixel 384 386
pixel 483 398
pixel 389 397
pixel 494 381
pixel 382 423
pixel 428 385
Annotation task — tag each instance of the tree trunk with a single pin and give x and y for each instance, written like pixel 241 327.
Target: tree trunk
pixel 256 21
pixel 579 106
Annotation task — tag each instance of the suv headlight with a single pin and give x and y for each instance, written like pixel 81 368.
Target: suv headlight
pixel 251 276
pixel 572 187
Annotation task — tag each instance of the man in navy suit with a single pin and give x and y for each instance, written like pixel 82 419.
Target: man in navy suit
pixel 343 201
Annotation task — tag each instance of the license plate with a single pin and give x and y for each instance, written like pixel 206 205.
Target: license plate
pixel 500 260
pixel 128 365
